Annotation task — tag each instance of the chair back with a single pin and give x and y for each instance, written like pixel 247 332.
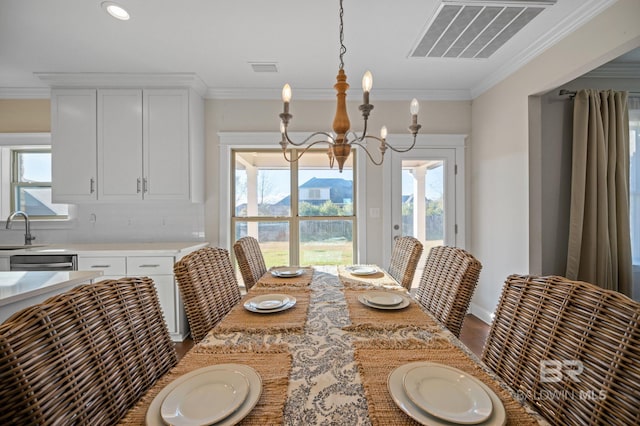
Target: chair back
pixel 250 260
pixel 83 357
pixel 447 284
pixel 570 348
pixel 208 287
pixel 404 260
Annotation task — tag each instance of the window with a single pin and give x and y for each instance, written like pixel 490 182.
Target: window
pixel 301 213
pixel 31 183
pixel 634 176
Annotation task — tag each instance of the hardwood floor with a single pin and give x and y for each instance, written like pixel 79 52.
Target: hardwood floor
pixel 474 333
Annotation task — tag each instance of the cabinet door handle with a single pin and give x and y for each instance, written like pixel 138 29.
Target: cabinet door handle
pixel 145 186
pixel 92 186
pixel 100 266
pixel 149 266
pixel 138 186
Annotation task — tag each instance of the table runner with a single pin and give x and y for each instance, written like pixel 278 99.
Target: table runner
pixel 269 281
pixel 367 318
pixel 291 320
pixel 377 280
pixel 273 364
pixel 374 374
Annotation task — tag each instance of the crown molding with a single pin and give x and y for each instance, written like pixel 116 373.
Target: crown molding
pixel 616 70
pixel 25 93
pixel 330 94
pixel 96 79
pixel 589 10
pixel 93 80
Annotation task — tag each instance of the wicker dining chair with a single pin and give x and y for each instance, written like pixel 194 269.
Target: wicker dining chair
pixel 250 260
pixel 447 284
pixel 404 260
pixel 83 357
pixel 208 287
pixel 570 348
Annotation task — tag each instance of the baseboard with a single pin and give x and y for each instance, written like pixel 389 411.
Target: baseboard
pixel 484 315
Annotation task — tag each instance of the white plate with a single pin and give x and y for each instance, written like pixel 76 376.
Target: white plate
pixel 154 418
pixel 362 298
pixel 286 272
pixel 447 393
pixel 362 270
pixel 498 415
pixel 383 298
pixel 206 398
pixel 268 303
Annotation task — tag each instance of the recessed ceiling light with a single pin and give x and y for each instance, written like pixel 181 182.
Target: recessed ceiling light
pixel 115 10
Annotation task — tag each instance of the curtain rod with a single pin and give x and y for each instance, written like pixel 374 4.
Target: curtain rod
pixel 572 93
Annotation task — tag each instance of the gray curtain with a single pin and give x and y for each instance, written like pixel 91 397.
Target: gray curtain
pixel 599 249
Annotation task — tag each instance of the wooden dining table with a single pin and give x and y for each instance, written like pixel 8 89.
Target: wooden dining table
pixel 328 359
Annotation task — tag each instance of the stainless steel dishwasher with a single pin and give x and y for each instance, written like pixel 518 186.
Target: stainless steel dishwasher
pixel 44 262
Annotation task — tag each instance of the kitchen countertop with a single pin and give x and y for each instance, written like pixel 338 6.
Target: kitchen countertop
pixel 100 249
pixel 17 285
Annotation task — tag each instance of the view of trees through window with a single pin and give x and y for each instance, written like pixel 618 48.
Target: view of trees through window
pixel 301 213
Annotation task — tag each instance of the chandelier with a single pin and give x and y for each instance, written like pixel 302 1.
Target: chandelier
pixel 341 140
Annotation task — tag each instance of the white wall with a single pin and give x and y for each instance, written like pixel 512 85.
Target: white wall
pixel 500 195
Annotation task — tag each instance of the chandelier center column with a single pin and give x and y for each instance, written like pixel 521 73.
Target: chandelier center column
pixel 341 124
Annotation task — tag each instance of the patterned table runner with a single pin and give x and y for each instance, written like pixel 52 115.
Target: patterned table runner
pixel 291 320
pixel 269 281
pixel 273 364
pixel 374 374
pixel 367 318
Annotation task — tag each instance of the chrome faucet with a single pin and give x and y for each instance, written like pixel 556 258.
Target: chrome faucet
pixel 27 236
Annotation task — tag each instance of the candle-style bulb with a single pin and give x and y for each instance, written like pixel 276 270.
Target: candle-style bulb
pixel 286 93
pixel 415 107
pixel 367 81
pixel 383 132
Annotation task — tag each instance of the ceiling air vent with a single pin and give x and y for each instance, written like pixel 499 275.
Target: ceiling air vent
pixel 264 66
pixel 475 29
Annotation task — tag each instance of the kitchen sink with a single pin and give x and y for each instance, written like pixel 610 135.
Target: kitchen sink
pixel 5 247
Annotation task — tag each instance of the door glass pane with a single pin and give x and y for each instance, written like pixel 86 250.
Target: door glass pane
pixel 423 201
pixel 273 238
pixel 323 191
pixel 262 184
pixel 326 242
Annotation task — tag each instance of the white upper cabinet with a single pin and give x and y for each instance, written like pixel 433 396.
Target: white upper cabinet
pixel 73 145
pixel 120 174
pixel 165 145
pixel 149 146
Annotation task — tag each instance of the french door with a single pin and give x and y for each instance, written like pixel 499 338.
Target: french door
pixel 427 197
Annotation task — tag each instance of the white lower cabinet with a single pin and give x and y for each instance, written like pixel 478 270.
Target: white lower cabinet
pixel 159 269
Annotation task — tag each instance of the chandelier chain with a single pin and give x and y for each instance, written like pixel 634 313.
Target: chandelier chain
pixel 341 140
pixel 343 49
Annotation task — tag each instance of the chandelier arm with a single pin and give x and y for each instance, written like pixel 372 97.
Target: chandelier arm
pixel 401 149
pixel 311 136
pixel 377 163
pixel 301 153
pixel 354 137
pixel 364 131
